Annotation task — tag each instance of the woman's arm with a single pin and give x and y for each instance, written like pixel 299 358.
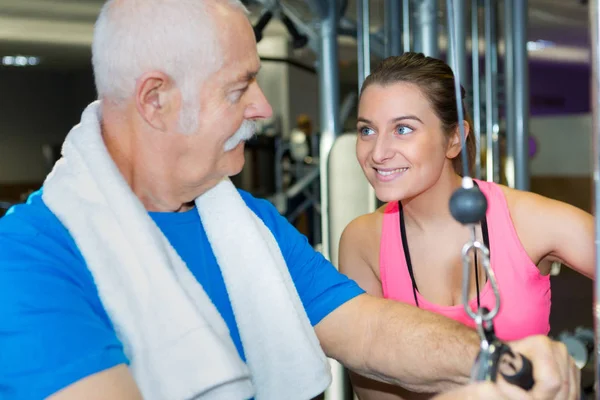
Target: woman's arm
pixel 552 230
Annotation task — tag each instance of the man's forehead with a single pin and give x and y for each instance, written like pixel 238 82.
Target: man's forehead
pixel 233 73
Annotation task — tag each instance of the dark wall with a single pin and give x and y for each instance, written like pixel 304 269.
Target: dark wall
pixel 559 89
pixel 554 88
pixel 37 108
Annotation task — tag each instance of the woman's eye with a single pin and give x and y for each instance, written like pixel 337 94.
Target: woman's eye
pixel 364 131
pixel 403 130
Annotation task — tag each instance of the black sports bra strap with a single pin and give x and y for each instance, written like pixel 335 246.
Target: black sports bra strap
pixel 406 252
pixel 485 234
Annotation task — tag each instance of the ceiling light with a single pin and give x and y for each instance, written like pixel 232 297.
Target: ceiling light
pixel 539 45
pixel 20 61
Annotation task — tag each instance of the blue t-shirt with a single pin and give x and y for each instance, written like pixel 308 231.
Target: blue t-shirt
pixel 54 330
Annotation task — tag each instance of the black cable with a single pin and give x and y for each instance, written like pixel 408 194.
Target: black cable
pixel 298 40
pixel 343 7
pixel 457 89
pixel 264 19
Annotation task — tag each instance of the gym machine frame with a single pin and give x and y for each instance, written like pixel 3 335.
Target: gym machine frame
pixel 594 15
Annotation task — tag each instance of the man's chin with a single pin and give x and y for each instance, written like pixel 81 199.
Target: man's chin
pixel 237 167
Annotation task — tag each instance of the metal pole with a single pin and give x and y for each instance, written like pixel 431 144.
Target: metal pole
pixel 594 15
pixel 393 34
pixel 461 42
pixel 363 38
pixel 495 83
pixel 521 96
pixel 364 64
pixel 329 93
pixel 476 84
pixel 329 97
pixel 509 91
pixel 426 28
pixel 406 25
pixel 314 153
pixel 491 78
pixel 388 25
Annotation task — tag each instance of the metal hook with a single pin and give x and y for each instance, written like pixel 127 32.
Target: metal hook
pixel 466 259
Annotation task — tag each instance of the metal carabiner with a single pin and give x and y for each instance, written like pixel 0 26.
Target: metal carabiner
pixel 475 245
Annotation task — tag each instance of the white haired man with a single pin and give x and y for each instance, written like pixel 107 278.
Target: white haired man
pixel 138 271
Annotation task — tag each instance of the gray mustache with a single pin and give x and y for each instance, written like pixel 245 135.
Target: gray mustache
pixel 245 132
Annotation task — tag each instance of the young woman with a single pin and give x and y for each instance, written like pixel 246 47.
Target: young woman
pixel 410 249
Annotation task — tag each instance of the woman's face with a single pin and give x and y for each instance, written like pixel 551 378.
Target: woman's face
pixel 401 146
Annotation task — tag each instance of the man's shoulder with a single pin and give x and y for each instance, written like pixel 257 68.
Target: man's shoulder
pixel 263 208
pixel 32 217
pixel 31 228
pixel 48 303
pixel 284 232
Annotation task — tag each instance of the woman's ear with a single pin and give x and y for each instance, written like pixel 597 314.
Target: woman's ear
pixel 455 143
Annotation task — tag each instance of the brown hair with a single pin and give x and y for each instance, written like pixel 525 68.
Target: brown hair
pixel 436 80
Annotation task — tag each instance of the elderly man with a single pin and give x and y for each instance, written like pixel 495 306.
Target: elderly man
pixel 138 270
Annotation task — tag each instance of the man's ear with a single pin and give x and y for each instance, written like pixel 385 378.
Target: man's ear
pixel 155 99
pixel 455 144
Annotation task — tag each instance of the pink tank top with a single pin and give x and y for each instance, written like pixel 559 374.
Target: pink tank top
pixel 524 292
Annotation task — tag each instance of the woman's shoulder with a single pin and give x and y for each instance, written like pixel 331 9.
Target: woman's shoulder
pixel 359 250
pixel 522 203
pixel 512 197
pixel 367 224
pixel 364 232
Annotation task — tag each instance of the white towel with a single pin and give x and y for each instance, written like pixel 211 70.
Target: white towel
pixel 178 345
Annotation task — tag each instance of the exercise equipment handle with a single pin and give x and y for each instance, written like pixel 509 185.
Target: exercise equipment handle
pixel 524 376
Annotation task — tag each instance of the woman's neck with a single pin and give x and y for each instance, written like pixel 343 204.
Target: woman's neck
pixel 431 208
